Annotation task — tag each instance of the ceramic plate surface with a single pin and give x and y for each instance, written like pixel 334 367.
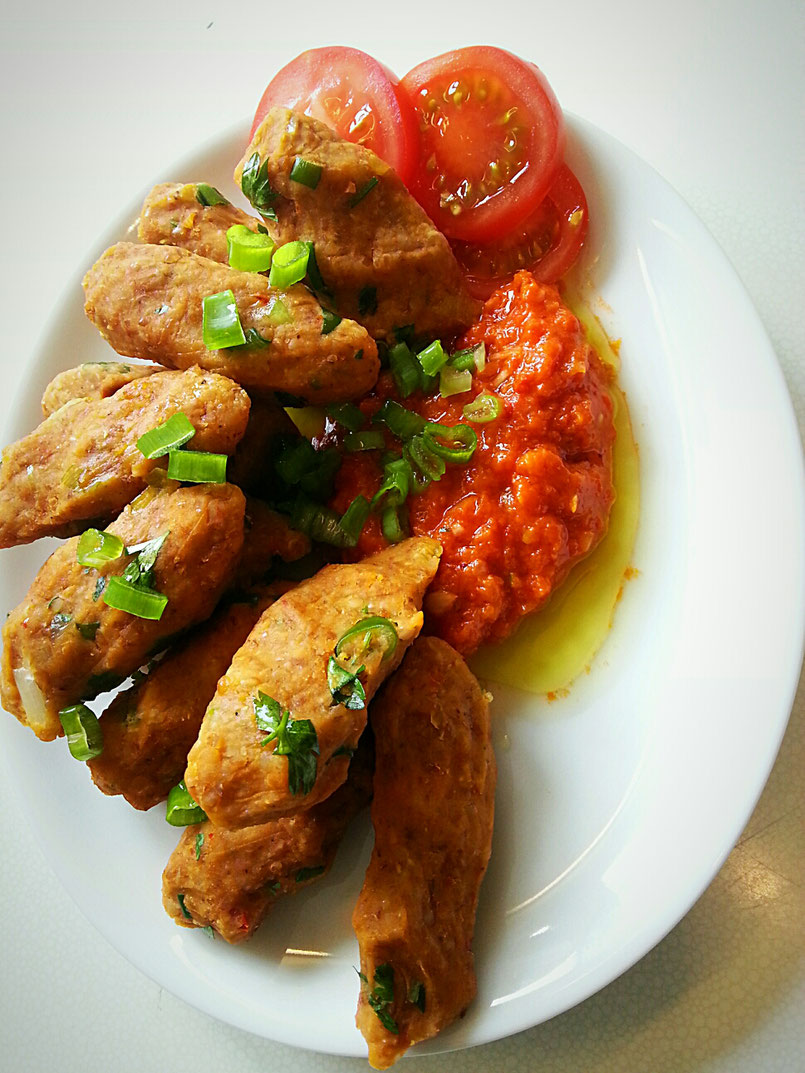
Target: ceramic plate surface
pixel 617 804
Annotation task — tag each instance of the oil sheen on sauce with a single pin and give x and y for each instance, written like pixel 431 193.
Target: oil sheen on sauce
pixel 555 645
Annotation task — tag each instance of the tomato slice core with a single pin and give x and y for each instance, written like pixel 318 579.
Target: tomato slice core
pixel 355 95
pixel 492 140
pixel 547 243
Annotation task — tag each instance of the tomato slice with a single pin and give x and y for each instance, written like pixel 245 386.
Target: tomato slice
pixel 493 137
pixel 547 243
pixel 353 93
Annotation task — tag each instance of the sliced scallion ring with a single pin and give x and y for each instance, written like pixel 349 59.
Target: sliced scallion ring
pixel 484 407
pixel 430 464
pixel 432 358
pixel 289 264
pixel 463 359
pixel 197 467
pixel 454 381
pixel 181 809
pixel 354 518
pixel 248 251
pixel 84 734
pixel 368 440
pixel 177 430
pixel 220 326
pixel 461 444
pixel 403 423
pixel 348 415
pixel 392 526
pixel 396 485
pixel 136 600
pixel 404 369
pixel 306 172
pixel 365 629
pixel 95 547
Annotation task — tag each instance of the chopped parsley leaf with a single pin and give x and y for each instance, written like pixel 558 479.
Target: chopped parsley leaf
pixel 295 738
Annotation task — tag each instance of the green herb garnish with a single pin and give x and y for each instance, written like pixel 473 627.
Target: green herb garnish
pixel 295 738
pixel 199 843
pixel 345 686
pixel 207 195
pixel 255 185
pixel 88 629
pixel 382 996
pixel 359 195
pixel 416 995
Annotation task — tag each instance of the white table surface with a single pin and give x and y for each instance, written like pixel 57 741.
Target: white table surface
pixel 100 97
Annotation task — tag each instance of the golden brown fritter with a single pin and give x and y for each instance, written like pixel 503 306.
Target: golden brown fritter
pixel 82 463
pixel 64 644
pixel 231 772
pixel 148 729
pixel 433 811
pixel 267 536
pixel 92 380
pixel 172 215
pixel 147 302
pixel 383 261
pixel 230 880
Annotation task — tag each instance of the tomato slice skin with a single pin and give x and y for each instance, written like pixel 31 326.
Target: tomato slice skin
pixel 547 243
pixel 492 140
pixel 355 95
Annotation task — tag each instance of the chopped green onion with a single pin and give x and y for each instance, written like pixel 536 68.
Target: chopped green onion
pixel 359 195
pixel 320 523
pixel 207 195
pixel 84 734
pixel 314 276
pixel 278 312
pixel 347 414
pixel 254 339
pixel 96 547
pixel 432 358
pixel 464 441
pixel 198 467
pixel 484 407
pixel 136 600
pixel 183 907
pixel 345 686
pixel 364 629
pixel 247 250
pixel 294 459
pixel 88 629
pixel 419 479
pixel 306 172
pixel 454 381
pixel 221 327
pixel 329 321
pixel 463 359
pixel 176 431
pixel 480 356
pixel 403 423
pixel 367 301
pixel 181 810
pixel 395 487
pixel 391 523
pixel 369 440
pixel 404 369
pixel 425 459
pixel 199 843
pixel 289 264
pixel 255 185
pixel 354 518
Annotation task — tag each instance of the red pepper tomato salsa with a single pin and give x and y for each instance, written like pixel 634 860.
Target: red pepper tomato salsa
pixel 536 495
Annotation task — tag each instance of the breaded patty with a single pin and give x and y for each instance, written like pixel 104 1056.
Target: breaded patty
pixel 382 260
pixel 172 215
pixel 92 380
pixel 148 729
pixel 230 880
pixel 232 772
pixel 147 302
pixel 64 644
pixel 83 464
pixel 432 812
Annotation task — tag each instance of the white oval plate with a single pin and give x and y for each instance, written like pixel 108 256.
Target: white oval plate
pixel 616 805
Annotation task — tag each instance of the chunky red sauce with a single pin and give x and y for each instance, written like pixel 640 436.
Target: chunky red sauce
pixel 537 493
